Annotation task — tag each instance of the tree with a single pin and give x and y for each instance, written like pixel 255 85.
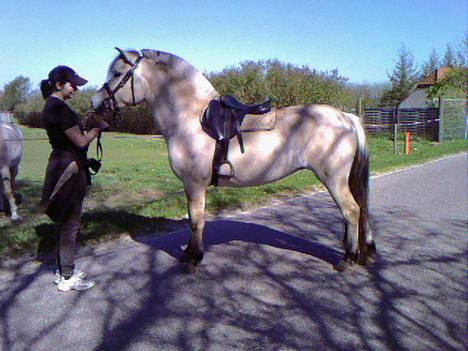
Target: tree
pixel 403 78
pixel 367 95
pixel 15 93
pixel 449 57
pixel 452 86
pixel 462 52
pixel 431 64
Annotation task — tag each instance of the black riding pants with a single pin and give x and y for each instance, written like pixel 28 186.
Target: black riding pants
pixel 67 230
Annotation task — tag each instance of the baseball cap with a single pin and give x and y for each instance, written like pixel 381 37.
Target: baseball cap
pixel 62 74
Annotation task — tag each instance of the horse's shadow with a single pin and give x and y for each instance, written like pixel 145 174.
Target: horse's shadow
pixel 178 234
pixel 224 231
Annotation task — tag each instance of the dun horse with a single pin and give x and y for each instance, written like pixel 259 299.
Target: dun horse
pixel 11 152
pixel 321 138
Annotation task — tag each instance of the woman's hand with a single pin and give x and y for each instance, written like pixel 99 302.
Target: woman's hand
pixel 92 120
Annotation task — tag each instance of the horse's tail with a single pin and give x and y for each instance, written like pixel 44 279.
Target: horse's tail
pixel 359 184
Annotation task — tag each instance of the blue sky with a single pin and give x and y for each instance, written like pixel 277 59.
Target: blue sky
pixel 359 37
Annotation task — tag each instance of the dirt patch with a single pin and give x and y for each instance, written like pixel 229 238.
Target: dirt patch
pixel 124 198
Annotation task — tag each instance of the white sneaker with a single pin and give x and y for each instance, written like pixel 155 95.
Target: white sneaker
pixel 79 273
pixel 74 283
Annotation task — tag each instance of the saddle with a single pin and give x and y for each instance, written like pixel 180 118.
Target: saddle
pixel 222 121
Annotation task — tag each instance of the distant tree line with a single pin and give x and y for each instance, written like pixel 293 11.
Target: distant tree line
pixel 285 83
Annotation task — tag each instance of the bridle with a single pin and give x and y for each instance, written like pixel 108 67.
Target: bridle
pixel 110 102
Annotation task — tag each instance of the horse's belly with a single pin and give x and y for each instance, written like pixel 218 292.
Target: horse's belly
pixel 261 164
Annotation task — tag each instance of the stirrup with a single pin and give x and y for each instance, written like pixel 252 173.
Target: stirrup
pixel 231 169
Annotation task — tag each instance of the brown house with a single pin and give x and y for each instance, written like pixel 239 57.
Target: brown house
pixel 418 98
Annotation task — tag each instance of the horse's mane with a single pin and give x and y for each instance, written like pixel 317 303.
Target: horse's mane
pixel 167 58
pixel 158 56
pixel 167 61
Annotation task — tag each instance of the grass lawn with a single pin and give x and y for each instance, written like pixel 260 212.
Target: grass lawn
pixel 136 192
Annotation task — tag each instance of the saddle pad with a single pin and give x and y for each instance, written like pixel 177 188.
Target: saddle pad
pixel 256 123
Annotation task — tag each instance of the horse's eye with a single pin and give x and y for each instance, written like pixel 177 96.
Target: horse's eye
pixel 117 74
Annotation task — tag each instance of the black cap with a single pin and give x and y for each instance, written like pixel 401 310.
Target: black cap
pixel 62 74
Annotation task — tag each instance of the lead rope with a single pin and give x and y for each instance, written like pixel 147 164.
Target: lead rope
pixel 95 164
pixel 99 151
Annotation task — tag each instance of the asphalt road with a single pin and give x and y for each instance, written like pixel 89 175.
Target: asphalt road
pixel 267 281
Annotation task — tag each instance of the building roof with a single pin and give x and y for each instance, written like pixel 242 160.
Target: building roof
pixel 417 99
pixel 435 76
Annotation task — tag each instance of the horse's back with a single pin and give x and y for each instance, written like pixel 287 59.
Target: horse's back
pixel 319 114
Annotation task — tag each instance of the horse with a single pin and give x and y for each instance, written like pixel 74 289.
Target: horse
pixel 11 153
pixel 321 138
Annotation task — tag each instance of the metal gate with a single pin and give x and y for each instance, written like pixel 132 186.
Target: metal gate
pixel 453 119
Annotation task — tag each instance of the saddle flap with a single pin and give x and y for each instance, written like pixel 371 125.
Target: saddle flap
pixel 220 122
pixel 258 123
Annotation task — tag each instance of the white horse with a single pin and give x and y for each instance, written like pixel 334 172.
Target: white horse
pixel 321 138
pixel 11 152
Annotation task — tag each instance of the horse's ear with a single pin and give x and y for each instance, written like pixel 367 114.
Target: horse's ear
pixel 123 56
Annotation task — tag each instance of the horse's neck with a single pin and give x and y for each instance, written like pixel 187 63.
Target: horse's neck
pixel 179 107
pixel 203 87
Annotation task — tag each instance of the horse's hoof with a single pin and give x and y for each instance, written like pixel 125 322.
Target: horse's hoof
pixel 371 248
pixel 341 266
pixel 16 219
pixel 189 257
pixel 350 257
pixel 184 258
pixel 372 258
pixel 189 268
pixel 362 258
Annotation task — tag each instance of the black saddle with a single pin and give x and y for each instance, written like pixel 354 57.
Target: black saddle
pixel 222 120
pixel 256 109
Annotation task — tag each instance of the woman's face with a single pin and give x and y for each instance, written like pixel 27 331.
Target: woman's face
pixel 66 89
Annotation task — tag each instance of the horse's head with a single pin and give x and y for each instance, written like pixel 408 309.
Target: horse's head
pixel 125 84
pixel 166 81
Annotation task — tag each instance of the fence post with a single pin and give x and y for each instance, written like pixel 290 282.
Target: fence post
pixel 408 143
pixel 395 129
pixel 441 123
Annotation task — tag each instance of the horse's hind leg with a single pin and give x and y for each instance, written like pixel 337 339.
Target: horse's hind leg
pixel 193 254
pixel 8 181
pixel 370 243
pixel 339 190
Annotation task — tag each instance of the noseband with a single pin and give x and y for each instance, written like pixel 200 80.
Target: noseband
pixel 110 102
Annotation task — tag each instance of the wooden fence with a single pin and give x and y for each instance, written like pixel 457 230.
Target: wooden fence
pixel 423 122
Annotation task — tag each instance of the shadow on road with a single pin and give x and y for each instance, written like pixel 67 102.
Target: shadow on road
pixel 262 285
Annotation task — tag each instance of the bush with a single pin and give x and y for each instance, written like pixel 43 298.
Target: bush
pixel 285 83
pixel 136 120
pixel 31 119
pixel 29 113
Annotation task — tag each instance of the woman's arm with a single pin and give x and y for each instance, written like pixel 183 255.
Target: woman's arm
pixel 79 139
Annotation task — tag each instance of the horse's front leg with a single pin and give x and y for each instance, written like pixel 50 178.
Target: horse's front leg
pixel 193 254
pixel 8 179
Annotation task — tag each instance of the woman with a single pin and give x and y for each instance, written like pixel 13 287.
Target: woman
pixel 66 175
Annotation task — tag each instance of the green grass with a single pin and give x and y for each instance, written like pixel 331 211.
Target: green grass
pixel 136 192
